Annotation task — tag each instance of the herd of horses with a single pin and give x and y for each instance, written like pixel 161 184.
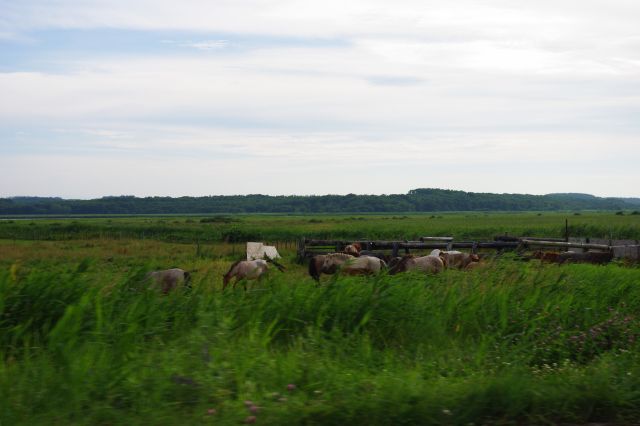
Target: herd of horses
pixel 355 261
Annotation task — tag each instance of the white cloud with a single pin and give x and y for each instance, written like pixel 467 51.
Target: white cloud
pixel 409 84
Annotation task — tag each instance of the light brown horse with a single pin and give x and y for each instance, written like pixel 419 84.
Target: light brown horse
pixel 345 263
pixel 457 259
pixel 245 269
pixel 429 264
pixel 169 279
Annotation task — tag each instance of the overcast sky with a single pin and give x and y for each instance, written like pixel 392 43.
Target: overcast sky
pixel 201 97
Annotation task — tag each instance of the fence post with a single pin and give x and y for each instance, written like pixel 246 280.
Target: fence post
pixel 301 253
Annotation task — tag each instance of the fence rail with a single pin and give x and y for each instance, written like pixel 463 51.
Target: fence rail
pixel 627 249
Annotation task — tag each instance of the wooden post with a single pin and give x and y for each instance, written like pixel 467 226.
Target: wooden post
pixel 301 250
pixel 394 251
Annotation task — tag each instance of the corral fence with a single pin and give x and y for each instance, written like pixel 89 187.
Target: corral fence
pixel 626 249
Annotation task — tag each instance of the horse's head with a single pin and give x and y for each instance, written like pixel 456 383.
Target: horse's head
pixel 353 249
pixel 444 257
pixel 397 264
pixel 225 280
pixel 315 266
pixel 230 274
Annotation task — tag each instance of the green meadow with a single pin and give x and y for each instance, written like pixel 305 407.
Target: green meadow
pixel 242 228
pixel 83 340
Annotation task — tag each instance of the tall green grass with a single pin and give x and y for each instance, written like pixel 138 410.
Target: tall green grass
pixel 514 343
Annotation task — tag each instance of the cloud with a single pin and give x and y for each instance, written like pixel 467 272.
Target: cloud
pixel 205 45
pixel 390 80
pixel 415 89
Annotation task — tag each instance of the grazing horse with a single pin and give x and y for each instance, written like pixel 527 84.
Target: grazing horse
pixel 345 263
pixel 353 249
pixel 245 269
pixel 457 259
pixel 169 279
pixel 430 264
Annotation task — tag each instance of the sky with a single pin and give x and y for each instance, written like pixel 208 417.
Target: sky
pixel 219 97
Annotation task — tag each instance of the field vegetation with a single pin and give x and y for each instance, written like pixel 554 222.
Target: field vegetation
pixel 241 228
pixel 84 340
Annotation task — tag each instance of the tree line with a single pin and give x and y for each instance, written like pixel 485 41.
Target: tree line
pixel 416 200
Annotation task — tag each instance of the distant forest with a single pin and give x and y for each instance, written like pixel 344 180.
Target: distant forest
pixel 416 200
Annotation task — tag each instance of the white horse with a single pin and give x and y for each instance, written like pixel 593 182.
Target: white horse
pixel 345 263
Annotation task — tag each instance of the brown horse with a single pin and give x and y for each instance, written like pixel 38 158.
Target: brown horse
pixel 353 249
pixel 245 269
pixel 345 263
pixel 546 256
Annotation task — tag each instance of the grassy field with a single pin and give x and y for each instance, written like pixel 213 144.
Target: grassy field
pixel 241 228
pixel 83 341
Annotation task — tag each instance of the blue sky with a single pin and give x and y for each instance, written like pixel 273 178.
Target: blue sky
pixel 278 97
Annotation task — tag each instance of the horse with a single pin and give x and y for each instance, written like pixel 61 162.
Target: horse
pixel 245 269
pixel 546 256
pixel 379 254
pixel 345 263
pixel 169 279
pixel 429 264
pixel 456 259
pixel 353 249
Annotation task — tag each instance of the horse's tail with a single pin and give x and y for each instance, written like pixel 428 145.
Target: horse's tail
pixel 187 279
pixel 383 264
pixel 313 269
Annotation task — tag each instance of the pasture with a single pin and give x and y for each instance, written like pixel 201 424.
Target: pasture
pixel 84 341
